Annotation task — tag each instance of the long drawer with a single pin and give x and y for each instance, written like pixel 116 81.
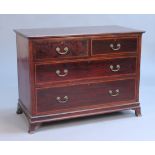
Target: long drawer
pixel 68 97
pixel 51 73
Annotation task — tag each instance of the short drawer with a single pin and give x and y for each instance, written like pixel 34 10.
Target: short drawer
pixel 51 73
pixel 114 45
pixel 68 97
pixel 50 49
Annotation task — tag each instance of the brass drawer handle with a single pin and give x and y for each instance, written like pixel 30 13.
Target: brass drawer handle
pixel 64 100
pixel 58 72
pixel 115 70
pixel 118 46
pixel 114 94
pixel 58 50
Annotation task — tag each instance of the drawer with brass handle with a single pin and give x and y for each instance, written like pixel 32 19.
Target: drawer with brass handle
pixel 59 98
pixel 59 49
pixel 51 73
pixel 114 45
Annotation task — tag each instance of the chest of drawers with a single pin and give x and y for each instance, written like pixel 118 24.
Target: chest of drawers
pixel 66 73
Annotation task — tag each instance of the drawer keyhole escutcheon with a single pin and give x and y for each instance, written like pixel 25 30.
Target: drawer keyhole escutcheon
pixel 65 50
pixel 118 46
pixel 114 93
pixel 58 72
pixel 64 100
pixel 117 68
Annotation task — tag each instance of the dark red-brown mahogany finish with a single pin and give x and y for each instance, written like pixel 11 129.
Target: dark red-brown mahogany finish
pixel 66 73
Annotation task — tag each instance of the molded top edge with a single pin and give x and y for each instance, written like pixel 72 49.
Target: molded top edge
pixel 75 31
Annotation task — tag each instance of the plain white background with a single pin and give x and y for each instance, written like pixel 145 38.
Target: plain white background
pixel 118 126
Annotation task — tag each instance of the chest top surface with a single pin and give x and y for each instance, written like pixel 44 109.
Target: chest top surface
pixel 74 31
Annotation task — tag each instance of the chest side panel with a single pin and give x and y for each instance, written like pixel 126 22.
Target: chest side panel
pixel 24 84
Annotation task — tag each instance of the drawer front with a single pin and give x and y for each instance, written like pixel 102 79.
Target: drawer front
pixel 59 98
pixel 114 45
pixel 49 49
pixel 77 70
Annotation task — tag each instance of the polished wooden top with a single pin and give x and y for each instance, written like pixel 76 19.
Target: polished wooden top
pixel 74 31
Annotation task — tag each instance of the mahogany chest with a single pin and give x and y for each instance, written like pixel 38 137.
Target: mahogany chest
pixel 66 73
